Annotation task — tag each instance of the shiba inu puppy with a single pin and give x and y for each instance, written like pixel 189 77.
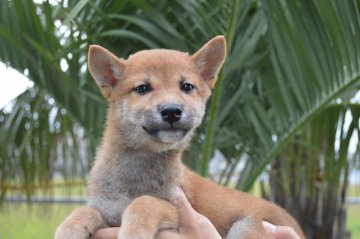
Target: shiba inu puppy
pixel 157 99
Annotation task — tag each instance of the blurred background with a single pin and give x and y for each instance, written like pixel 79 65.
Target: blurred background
pixel 282 123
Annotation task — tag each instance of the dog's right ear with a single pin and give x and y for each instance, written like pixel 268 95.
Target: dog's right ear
pixel 105 68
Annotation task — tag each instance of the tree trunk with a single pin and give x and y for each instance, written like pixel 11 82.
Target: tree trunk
pixel 319 208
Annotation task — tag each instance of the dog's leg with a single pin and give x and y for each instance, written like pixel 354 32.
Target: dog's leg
pixel 247 228
pixel 80 224
pixel 145 216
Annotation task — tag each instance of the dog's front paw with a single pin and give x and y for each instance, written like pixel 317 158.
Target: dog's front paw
pixel 75 231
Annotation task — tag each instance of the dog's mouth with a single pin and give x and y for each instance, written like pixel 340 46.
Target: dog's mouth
pixel 167 135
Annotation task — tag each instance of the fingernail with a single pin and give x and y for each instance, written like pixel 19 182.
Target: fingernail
pixel 176 193
pixel 269 226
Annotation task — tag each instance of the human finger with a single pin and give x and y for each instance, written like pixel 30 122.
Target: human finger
pixel 284 232
pixel 281 232
pixel 106 233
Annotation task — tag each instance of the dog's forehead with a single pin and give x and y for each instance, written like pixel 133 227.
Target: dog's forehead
pixel 160 59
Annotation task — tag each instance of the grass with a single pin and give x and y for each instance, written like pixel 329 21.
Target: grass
pixel 18 221
pixel 21 220
pixel 353 223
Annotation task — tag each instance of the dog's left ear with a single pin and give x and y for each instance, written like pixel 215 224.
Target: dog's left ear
pixel 210 58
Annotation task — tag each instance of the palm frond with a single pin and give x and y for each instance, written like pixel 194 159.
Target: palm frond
pixel 310 63
pixel 38 139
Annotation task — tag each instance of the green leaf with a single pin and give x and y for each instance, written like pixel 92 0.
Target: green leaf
pixel 75 11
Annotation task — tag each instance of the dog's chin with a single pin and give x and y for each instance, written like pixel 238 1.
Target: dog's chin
pixel 167 136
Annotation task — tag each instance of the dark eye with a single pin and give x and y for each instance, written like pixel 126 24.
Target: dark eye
pixel 142 89
pixel 187 87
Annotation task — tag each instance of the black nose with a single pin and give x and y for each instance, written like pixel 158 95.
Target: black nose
pixel 171 112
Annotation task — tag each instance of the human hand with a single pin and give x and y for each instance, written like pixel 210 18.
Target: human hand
pixel 192 224
pixel 195 225
pixel 281 232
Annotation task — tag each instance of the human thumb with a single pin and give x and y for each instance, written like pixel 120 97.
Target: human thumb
pixel 183 206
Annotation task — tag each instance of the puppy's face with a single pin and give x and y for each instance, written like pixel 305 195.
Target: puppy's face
pixel 157 97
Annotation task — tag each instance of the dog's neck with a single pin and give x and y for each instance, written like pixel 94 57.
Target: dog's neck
pixel 140 171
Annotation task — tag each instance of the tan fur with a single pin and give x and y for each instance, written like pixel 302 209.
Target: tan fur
pixel 139 163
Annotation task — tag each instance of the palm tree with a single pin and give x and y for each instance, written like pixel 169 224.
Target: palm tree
pixel 289 63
